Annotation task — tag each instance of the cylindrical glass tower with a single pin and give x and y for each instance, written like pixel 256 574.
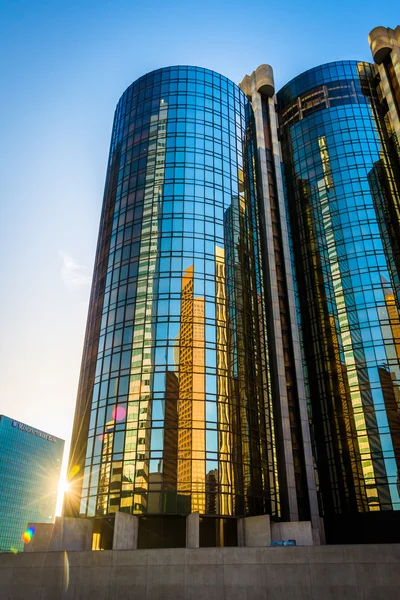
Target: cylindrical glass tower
pixel 174 411
pixel 349 319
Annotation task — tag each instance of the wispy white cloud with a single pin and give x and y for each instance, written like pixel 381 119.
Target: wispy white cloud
pixel 73 275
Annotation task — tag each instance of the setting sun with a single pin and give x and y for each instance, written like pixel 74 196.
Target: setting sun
pixel 63 488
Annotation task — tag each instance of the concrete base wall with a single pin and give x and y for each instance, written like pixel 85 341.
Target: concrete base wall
pixel 292 573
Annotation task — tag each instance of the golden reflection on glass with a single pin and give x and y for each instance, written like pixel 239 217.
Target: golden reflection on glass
pixel 105 468
pixel 345 333
pixel 349 421
pixel 191 403
pixel 390 389
pixel 224 425
pixel 337 368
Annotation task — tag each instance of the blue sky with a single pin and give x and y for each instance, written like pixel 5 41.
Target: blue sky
pixel 63 67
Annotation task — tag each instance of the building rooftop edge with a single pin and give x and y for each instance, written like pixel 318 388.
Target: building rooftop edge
pixel 32 427
pixel 328 64
pixel 183 66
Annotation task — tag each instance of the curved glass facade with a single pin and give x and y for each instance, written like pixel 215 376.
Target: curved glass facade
pixel 331 144
pixel 174 410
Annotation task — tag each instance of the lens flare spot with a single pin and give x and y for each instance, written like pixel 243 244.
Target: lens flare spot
pixel 119 413
pixel 101 437
pixel 13 550
pixel 74 471
pixel 28 535
pixel 66 571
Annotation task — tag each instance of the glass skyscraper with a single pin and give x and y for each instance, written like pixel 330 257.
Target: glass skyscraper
pixel 333 141
pixel 242 347
pixel 175 412
pixel 30 464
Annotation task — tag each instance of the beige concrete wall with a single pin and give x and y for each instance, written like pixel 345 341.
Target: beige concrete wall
pixel 292 573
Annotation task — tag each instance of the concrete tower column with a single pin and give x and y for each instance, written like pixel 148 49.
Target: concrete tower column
pixel 259 88
pixel 385 47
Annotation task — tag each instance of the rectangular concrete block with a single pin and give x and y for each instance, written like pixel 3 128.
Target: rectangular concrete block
pixel 65 534
pixel 71 534
pixel 41 538
pixel 301 531
pixel 126 529
pixel 193 530
pixel 254 531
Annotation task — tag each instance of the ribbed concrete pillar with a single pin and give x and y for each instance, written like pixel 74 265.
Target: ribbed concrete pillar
pixel 301 391
pixel 259 86
pixel 261 81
